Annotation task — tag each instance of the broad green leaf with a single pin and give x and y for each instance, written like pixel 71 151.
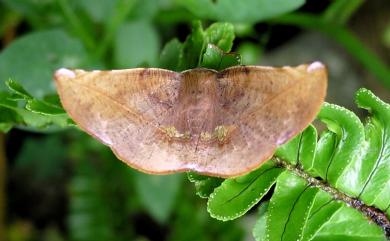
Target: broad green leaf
pixel 32 59
pixel 259 230
pixel 374 169
pixel 246 11
pixel 289 208
pixel 236 196
pixel 193 47
pixel 204 185
pixel 169 57
pixel 136 44
pixel 158 193
pixel 347 224
pixel 350 138
pixel 221 35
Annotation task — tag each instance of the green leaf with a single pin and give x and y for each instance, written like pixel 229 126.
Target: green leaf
pixel 246 11
pixel 190 56
pixel 169 57
pixel 289 207
pixel 229 60
pixel 136 44
pixel 300 149
pixel 350 137
pixel 322 210
pixel 42 107
pixel 214 58
pixel 32 59
pixel 236 196
pixel 325 149
pixel 204 185
pixel 374 169
pixel 158 193
pixel 221 35
pixel 18 89
pixel 347 224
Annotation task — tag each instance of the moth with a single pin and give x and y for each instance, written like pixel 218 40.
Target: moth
pixel 221 124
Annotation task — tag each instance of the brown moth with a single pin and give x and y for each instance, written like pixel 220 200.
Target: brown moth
pixel 221 124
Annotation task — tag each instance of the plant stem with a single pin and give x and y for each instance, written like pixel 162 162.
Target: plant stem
pixel 372 213
pixel 2 186
pixel 343 36
pixel 76 24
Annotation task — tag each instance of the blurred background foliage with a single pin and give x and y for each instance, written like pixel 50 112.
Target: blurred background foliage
pixel 59 184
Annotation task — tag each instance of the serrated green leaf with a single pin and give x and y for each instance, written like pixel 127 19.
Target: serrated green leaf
pixel 158 193
pixel 169 57
pixel 350 138
pixel 204 185
pixel 221 35
pixel 374 169
pixel 236 196
pixel 191 53
pixel 32 59
pixel 289 207
pixel 136 44
pixel 247 11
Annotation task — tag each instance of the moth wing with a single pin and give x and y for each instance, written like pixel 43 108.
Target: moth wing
pixel 123 109
pixel 267 106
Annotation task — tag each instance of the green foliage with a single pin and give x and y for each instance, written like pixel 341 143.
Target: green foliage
pixel 350 157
